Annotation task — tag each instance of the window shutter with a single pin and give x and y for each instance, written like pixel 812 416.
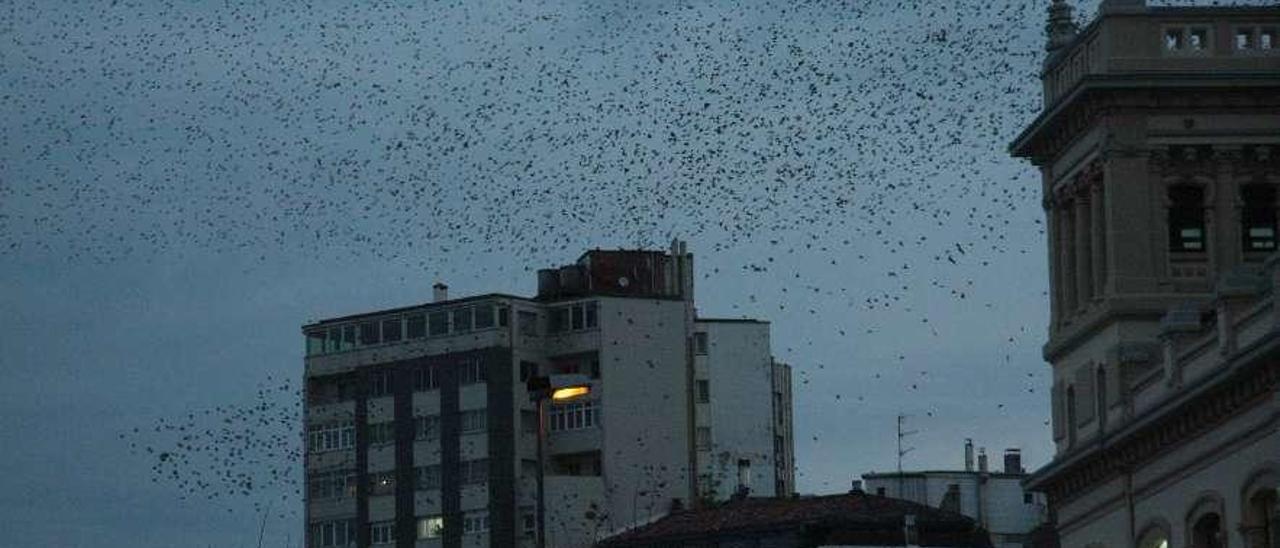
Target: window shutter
pixel 1086 405
pixel 1059 426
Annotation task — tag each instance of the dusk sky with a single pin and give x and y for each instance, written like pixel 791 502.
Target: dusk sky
pixel 184 184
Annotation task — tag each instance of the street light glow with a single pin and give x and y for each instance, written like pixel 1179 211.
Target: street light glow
pixel 570 392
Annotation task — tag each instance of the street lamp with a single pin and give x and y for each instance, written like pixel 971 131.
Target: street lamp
pixel 557 388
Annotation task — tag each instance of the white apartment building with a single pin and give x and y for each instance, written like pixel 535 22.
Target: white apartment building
pixel 993 499
pixel 421 432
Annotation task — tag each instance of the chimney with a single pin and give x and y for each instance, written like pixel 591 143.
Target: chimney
pixel 440 293
pixel 982 459
pixel 968 454
pixel 1012 461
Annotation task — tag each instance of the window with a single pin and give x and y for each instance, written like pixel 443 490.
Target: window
pixel 577 318
pixel 461 319
pixel 473 421
pixel 528 370
pixel 438 324
pixel 704 391
pixel 1255 39
pixel 1100 386
pixel 334 342
pixel 1207 532
pixel 315 343
pixel 427 477
pixel 425 378
pixel 471 372
pixel 700 344
pixel 593 315
pixel 1071 416
pixel 430 527
pixel 574 416
pixel 382 483
pixel 1186 218
pixel 475 522
pixel 1028 498
pixel 473 472
pixel 528 323
pixel 392 330
pixel 1258 217
pixel 369 333
pixel 557 320
pixel 381 433
pixel 331 437
pixel 880 491
pixel 416 326
pixel 380 383
pixel 348 337
pixel 484 316
pixel 382 532
pixel 1186 40
pixel 504 316
pixel 330 485
pixel 703 437
pixel 427 427
pixel 528 520
pixel 340 532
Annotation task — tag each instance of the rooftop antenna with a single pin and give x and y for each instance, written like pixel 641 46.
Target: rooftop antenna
pixel 901 451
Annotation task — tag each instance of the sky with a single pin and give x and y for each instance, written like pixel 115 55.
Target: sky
pixel 184 184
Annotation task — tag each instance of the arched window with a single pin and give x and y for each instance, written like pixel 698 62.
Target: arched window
pixel 1260 522
pixel 1207 532
pixel 1258 217
pixel 1154 535
pixel 1186 218
pixel 1205 527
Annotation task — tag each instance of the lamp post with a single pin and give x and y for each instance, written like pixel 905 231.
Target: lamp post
pixel 557 388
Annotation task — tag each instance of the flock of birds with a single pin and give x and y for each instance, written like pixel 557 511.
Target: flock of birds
pixel 863 132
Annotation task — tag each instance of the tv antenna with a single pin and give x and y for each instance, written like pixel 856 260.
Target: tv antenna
pixel 902 434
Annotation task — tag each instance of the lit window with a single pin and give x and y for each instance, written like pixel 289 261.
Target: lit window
pixel 1244 38
pixel 1173 39
pixel 1198 39
pixel 1186 218
pixel 430 527
pixel 1267 38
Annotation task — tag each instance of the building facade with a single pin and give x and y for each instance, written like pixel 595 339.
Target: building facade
pixel 421 431
pixel 1159 149
pixel 995 500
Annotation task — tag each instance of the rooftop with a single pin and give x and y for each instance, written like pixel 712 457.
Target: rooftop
pixel 852 518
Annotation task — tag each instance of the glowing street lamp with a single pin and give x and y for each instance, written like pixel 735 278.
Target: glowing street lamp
pixel 557 388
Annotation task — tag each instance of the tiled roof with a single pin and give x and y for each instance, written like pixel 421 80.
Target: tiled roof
pixel 850 518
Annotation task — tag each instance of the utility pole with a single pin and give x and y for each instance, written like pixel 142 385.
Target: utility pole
pixel 901 451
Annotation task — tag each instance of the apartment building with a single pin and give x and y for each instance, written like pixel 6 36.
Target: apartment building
pixel 421 431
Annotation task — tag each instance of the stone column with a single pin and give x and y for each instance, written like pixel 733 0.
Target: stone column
pixel 1099 230
pixel 1055 261
pixel 1227 202
pixel 1083 250
pixel 1067 264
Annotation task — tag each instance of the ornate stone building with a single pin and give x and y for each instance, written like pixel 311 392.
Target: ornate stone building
pixel 1159 149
